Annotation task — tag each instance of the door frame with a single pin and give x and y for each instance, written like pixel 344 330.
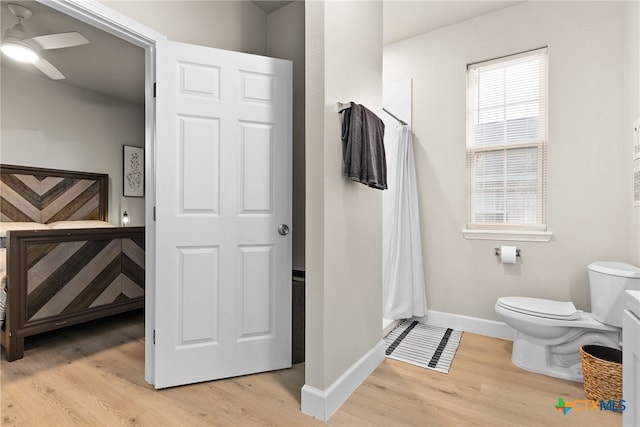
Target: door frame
pixel 102 17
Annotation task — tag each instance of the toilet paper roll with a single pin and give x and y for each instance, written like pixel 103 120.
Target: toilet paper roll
pixel 508 254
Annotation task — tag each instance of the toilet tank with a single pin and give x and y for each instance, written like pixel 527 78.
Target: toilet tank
pixel 607 283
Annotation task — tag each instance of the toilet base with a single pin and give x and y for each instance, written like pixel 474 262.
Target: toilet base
pixel 558 360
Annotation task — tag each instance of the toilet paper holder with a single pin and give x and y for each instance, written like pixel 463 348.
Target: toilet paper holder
pixel 498 251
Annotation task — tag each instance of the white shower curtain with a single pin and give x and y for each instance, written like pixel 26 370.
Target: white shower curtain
pixel 404 294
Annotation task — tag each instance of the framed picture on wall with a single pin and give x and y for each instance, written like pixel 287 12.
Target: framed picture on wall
pixel 133 171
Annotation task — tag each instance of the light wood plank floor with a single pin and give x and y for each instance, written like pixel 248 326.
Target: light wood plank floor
pixel 93 375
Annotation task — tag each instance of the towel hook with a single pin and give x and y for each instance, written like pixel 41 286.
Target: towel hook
pixel 342 106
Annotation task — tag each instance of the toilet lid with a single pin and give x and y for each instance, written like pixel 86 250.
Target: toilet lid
pixel 540 307
pixel 620 269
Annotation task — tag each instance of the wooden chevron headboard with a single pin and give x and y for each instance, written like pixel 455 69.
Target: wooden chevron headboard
pixel 47 195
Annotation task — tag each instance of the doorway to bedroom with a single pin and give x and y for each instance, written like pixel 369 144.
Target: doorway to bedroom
pixel 82 111
pixel 263 88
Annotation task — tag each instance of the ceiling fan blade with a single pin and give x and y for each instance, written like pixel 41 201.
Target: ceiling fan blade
pixel 48 69
pixel 60 40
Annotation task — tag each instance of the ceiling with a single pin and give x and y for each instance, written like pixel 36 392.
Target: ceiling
pixel 112 66
pixel 403 19
pixel 107 64
pixel 269 6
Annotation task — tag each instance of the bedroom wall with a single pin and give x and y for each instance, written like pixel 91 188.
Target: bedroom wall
pixel 54 125
pixel 588 152
pixel 285 39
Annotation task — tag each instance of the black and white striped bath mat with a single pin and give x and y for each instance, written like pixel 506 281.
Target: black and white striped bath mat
pixel 427 346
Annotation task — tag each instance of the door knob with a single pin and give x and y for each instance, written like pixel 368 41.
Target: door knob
pixel 283 229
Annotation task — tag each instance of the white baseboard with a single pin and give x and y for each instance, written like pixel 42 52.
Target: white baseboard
pixel 389 325
pixel 475 325
pixel 322 404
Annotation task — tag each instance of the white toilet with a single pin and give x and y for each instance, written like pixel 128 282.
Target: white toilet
pixel 549 334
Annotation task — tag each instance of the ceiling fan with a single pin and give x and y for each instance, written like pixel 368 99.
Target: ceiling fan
pixel 18 45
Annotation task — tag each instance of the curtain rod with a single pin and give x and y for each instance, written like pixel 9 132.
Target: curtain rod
pixel 522 53
pixel 392 115
pixel 344 105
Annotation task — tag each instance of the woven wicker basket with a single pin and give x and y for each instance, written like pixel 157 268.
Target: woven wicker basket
pixel 602 372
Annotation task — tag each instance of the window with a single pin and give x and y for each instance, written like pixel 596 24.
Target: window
pixel 506 142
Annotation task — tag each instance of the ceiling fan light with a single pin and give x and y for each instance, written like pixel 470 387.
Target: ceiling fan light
pixel 19 52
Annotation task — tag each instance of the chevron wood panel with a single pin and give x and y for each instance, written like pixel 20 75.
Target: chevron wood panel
pixel 14 205
pixel 110 294
pixel 75 276
pixel 49 257
pixel 48 195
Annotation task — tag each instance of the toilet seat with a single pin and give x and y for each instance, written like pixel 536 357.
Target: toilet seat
pixel 539 307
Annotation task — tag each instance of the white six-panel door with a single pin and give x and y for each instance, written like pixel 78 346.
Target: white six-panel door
pixel 223 189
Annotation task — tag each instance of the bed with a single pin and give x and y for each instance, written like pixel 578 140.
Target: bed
pixel 64 263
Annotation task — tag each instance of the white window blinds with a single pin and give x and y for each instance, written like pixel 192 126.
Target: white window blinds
pixel 506 142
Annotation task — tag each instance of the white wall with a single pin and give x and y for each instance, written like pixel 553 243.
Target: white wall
pixel 632 111
pixel 343 218
pixel 588 173
pixel 233 25
pixel 285 39
pixel 53 125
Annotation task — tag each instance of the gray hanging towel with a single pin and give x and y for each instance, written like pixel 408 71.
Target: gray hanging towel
pixel 363 147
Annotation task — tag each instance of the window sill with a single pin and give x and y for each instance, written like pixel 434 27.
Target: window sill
pixel 508 235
